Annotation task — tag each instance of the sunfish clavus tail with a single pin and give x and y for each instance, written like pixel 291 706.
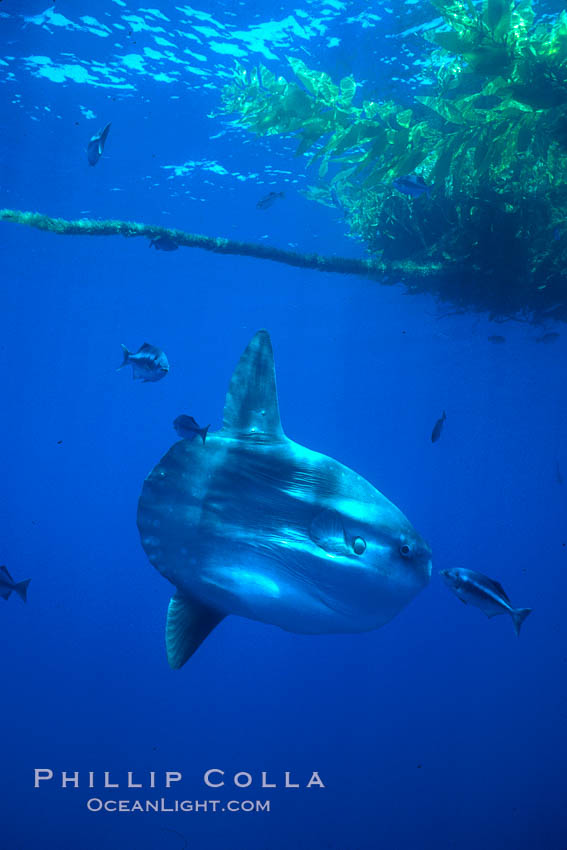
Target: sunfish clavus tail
pixel 254 524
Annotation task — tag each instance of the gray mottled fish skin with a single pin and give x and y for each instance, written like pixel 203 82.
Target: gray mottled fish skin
pixel 477 589
pixel 254 524
pixel 7 585
pixel 149 363
pixel 96 145
pixel 437 428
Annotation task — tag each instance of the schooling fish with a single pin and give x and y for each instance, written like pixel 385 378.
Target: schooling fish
pixel 7 585
pixel 187 427
pixel 497 339
pixel 437 428
pixel 412 185
pixel 484 593
pixel 96 145
pixel 269 199
pixel 164 243
pixel 149 363
pixel 552 336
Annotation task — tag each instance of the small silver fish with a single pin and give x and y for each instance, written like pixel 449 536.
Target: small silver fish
pixel 187 427
pixel 497 339
pixel 485 593
pixel 149 363
pixel 164 243
pixel 412 185
pixel 96 145
pixel 548 338
pixel 7 585
pixel 269 199
pixel 437 428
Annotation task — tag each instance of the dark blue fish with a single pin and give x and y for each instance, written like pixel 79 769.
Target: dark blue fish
pixel 485 593
pixel 437 428
pixel 96 145
pixel 497 339
pixel 548 338
pixel 149 363
pixel 336 200
pixel 164 243
pixel 412 185
pixel 7 585
pixel 269 199
pixel 187 428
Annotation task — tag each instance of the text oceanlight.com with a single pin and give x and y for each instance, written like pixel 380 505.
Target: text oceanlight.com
pixel 95 804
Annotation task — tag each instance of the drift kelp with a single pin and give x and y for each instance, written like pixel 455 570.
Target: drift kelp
pixel 490 142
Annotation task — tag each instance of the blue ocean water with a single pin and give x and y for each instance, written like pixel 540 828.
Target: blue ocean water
pixel 442 730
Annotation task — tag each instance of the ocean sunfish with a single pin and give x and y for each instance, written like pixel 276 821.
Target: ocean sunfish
pixel 253 524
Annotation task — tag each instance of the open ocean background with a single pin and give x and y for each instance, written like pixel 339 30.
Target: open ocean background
pixel 440 731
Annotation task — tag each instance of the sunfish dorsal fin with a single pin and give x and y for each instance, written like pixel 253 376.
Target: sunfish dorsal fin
pixel 251 407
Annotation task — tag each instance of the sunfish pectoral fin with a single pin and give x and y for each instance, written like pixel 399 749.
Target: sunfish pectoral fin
pixel 251 407
pixel 328 532
pixel 188 624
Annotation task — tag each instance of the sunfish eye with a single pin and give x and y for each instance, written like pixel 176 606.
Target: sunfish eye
pixel 358 545
pixel 405 550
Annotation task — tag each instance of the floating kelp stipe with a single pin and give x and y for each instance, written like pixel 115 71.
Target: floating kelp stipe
pixel 130 229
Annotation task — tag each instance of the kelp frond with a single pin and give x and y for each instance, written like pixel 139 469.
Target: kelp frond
pixel 490 143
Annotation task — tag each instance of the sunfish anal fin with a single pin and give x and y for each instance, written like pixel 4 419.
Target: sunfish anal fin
pixel 251 407
pixel 188 624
